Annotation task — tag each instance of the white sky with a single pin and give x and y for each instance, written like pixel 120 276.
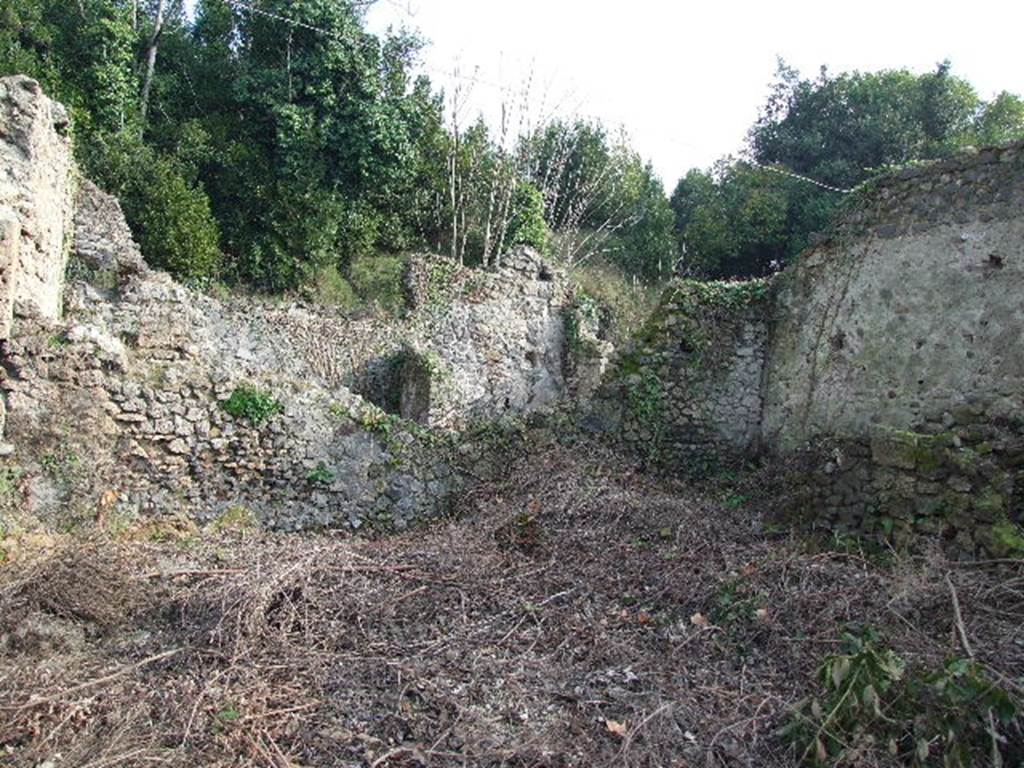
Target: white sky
pixel 686 79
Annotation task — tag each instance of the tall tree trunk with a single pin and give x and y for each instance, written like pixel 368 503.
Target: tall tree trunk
pixel 154 44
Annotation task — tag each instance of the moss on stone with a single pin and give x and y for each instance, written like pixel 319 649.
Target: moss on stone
pixel 991 504
pixel 932 452
pixel 967 461
pixel 894 448
pixel 1004 539
pixel 903 449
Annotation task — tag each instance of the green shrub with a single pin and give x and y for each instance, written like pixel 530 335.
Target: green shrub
pixel 235 519
pixel 175 228
pixel 169 216
pixel 328 288
pixel 248 402
pixel 526 225
pixel 378 279
pixel 876 709
pixel 321 475
pixel 358 231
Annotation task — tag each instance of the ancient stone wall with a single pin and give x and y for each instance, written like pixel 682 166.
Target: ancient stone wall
pixel 495 340
pixel 148 426
pixel 689 391
pixel 886 363
pixel 140 379
pixel 910 309
pixel 36 187
pixel 481 344
pixel 10 242
pixel 146 399
pixel 899 343
pixel 129 397
pixel 958 478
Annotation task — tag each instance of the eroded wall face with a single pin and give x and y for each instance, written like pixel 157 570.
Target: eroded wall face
pixel 36 188
pixel 914 308
pixel 126 406
pixel 146 399
pixel 10 242
pixel 884 370
pixel 689 391
pixel 895 373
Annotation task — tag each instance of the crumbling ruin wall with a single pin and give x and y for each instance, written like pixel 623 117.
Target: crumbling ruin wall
pixel 493 340
pixel 911 308
pixel 886 363
pixel 146 399
pixel 124 406
pixel 36 190
pixel 897 358
pixel 688 392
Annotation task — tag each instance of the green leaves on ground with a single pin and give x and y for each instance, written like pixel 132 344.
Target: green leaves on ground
pixel 877 706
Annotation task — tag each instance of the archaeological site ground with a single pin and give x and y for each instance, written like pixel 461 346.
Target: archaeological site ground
pixel 778 525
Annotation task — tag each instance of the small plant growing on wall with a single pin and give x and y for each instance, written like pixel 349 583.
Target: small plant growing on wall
pixel 644 402
pixel 322 475
pixel 249 402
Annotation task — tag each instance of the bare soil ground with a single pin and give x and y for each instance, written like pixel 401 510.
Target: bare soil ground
pixel 576 614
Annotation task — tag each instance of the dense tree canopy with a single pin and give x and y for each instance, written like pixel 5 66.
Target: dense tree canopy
pixel 274 146
pixel 277 147
pixel 312 141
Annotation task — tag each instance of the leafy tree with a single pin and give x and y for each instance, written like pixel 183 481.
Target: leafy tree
pixel 647 246
pixel 571 163
pixel 601 199
pixel 169 216
pixel 733 220
pixel 837 129
pixel 296 143
pixel 527 225
pixel 27 42
pixel 84 54
pixel 81 52
pixel 1001 120
pixel 737 220
pixel 321 142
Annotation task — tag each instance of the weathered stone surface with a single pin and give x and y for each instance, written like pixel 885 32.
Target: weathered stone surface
pixel 690 390
pixel 103 242
pixel 36 185
pixel 887 357
pixel 128 395
pixel 926 319
pixel 10 238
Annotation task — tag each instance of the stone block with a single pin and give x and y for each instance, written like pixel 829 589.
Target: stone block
pixel 10 236
pixel 899 449
pixel 894 448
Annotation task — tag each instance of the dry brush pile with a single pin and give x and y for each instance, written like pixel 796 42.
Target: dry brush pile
pixel 573 615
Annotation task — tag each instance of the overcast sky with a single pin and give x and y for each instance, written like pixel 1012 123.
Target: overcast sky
pixel 686 79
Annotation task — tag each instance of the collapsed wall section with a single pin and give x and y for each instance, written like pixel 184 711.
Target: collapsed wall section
pixel 883 371
pixel 156 400
pixel 144 399
pixel 484 344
